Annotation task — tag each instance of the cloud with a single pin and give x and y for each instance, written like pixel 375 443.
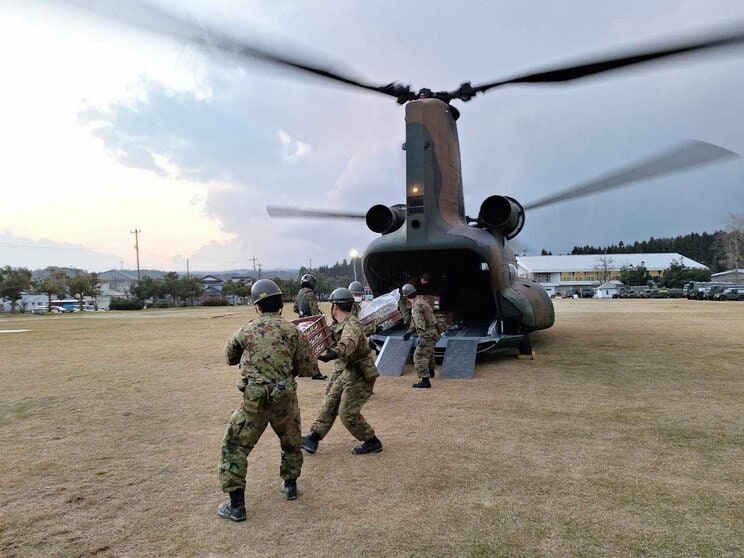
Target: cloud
pixel 292 150
pixel 18 251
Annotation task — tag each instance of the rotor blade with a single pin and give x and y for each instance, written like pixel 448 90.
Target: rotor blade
pixel 689 154
pixel 280 211
pixel 592 67
pixel 145 16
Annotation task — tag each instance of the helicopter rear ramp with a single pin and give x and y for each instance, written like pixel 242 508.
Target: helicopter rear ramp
pixel 393 356
pixel 458 349
pixel 459 359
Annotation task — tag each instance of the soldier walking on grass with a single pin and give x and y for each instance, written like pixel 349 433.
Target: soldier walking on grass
pixel 271 352
pixel 352 382
pixel 424 324
pixel 306 304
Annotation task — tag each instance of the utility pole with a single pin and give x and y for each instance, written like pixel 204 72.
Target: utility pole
pixel 187 268
pixel 254 259
pixel 259 270
pixel 136 232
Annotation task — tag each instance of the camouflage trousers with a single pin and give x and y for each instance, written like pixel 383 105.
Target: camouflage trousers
pixel 423 358
pixel 261 406
pixel 345 396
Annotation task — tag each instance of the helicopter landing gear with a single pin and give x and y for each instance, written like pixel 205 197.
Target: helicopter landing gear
pixel 525 348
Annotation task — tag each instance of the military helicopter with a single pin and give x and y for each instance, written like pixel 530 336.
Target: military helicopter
pixel 471 258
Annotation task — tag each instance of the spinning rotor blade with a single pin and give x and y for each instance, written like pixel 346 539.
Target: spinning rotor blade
pixel 593 67
pixel 147 17
pixel 690 154
pixel 280 211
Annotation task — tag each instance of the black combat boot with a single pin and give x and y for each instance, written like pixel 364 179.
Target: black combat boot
pixel 319 376
pixel 422 383
pixel 235 509
pixel 289 487
pixel 310 442
pixel 432 372
pixel 373 445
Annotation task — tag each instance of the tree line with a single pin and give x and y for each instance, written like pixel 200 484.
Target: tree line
pixel 719 251
pixel 57 283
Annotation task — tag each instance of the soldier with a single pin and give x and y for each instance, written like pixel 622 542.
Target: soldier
pixel 404 309
pixel 349 390
pixel 357 291
pixel 306 304
pixel 424 324
pixel 271 352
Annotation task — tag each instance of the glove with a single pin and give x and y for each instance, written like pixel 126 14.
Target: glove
pixel 327 356
pixel 378 329
pixel 407 335
pixel 372 345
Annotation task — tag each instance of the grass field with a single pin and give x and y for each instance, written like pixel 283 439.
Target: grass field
pixel 624 437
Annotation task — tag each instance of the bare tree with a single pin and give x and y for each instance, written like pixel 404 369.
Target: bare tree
pixel 604 267
pixel 730 243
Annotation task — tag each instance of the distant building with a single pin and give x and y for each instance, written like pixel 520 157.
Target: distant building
pixel 611 289
pixel 211 287
pixel 730 276
pixel 567 274
pixel 114 284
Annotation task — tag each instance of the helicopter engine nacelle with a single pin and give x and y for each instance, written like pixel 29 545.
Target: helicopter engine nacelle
pixel 383 219
pixel 503 214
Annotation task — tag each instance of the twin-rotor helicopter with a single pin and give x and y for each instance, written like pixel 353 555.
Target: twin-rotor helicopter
pixel 469 256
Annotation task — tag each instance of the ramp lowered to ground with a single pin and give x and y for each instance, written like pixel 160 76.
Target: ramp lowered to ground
pixel 458 348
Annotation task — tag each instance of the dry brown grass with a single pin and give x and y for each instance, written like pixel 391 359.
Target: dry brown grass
pixel 624 437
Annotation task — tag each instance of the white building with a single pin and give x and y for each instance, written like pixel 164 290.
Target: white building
pixel 730 276
pixel 565 274
pixel 611 289
pixel 113 283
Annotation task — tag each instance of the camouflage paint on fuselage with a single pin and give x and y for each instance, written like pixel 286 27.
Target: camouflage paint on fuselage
pixel 435 219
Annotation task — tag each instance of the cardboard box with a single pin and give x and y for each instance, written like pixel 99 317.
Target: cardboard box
pixel 316 331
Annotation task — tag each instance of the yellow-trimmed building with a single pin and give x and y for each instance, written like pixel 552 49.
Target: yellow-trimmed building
pixel 564 274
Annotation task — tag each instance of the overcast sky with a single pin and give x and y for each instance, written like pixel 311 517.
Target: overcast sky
pixel 105 128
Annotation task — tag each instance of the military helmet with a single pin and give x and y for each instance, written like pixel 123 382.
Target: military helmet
pixel 342 295
pixel 308 279
pixel 408 290
pixel 356 287
pixel 263 289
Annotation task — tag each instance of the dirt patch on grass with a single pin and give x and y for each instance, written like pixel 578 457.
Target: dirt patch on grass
pixel 625 436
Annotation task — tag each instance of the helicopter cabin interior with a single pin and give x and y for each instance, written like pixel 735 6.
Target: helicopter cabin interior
pixel 459 277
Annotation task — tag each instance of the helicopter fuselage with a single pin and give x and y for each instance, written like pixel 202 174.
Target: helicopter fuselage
pixel 473 268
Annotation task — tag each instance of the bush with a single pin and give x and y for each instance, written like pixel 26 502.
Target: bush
pixel 215 302
pixel 163 304
pixel 126 304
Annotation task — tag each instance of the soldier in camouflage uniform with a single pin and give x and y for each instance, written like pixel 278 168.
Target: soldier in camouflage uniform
pixel 306 304
pixel 271 352
pixel 424 324
pixel 357 291
pixel 352 387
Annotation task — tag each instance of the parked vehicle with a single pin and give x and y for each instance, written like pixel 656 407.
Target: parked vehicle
pixel 732 293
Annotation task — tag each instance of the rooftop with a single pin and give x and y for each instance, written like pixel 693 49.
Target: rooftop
pixel 592 262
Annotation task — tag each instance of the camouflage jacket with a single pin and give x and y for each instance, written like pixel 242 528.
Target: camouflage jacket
pixel 306 303
pixel 423 321
pixel 355 309
pixel 270 349
pixel 350 344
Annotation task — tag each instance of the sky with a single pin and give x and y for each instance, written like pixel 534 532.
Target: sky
pixel 107 129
